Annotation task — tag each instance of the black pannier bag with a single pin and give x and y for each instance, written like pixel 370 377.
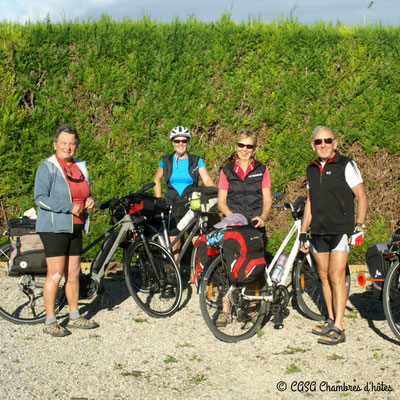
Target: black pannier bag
pixel 243 252
pixel 27 252
pixel 377 265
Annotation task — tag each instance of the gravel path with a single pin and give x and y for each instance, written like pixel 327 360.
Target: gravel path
pixel 133 356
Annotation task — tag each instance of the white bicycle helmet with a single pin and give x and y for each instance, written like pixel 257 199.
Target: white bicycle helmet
pixel 179 131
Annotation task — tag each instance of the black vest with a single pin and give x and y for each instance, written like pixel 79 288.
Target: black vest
pixel 332 200
pixel 245 196
pixel 172 196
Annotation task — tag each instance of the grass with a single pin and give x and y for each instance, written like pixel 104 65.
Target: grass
pixel 170 359
pixel 185 344
pixel 195 358
pixel 292 369
pixel 352 315
pixel 199 378
pixel 134 373
pixel 260 332
pixel 291 350
pixel 335 357
pixel 140 320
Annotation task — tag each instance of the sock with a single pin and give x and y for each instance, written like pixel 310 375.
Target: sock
pixel 74 314
pixel 50 320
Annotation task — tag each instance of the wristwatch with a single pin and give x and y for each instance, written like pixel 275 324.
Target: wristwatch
pixel 360 225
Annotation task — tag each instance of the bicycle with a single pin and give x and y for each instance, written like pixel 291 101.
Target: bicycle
pixel 198 224
pixel 150 272
pixel 391 285
pixel 250 303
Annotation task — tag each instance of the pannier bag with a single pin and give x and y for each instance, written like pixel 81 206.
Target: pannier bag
pixel 27 252
pixel 243 252
pixel 207 249
pixel 204 199
pixel 376 263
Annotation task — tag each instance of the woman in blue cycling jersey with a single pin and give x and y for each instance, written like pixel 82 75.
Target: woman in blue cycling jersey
pixel 181 172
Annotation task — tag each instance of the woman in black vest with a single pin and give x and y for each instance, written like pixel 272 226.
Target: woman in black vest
pixel 181 172
pixel 244 184
pixel 244 187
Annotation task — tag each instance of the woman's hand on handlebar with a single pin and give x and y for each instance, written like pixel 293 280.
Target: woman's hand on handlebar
pixel 258 222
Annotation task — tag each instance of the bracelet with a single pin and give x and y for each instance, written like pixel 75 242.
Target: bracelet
pixel 360 225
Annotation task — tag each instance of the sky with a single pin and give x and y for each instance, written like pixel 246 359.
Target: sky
pixel 347 12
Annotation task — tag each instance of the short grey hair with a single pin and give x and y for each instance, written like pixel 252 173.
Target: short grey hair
pixel 322 128
pixel 68 129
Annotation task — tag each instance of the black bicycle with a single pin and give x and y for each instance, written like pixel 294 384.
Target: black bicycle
pixel 202 215
pixel 151 274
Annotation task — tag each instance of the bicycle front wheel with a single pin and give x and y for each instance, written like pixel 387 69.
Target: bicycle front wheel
pixel 244 317
pixel 153 278
pixel 21 296
pixel 391 298
pixel 308 288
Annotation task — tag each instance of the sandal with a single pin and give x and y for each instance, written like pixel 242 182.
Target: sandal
pixel 334 336
pixel 322 330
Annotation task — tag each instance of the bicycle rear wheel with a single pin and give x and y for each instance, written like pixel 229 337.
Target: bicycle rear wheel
pixel 245 316
pixel 21 296
pixel 308 288
pixel 158 296
pixel 391 298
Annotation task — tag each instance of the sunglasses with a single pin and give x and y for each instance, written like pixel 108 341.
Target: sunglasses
pixel 326 141
pixel 242 145
pixel 184 141
pixel 72 178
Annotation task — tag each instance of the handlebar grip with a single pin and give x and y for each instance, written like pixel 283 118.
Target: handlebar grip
pixel 105 205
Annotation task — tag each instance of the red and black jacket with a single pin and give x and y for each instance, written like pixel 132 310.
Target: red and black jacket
pixel 332 200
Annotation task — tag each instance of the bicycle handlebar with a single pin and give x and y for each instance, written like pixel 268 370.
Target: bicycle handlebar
pixel 124 201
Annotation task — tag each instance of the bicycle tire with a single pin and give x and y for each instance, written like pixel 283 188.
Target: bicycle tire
pixel 391 298
pixel 214 286
pixel 158 298
pixel 21 296
pixel 308 288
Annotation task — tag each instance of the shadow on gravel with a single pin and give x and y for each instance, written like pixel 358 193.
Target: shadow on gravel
pixel 115 292
pixel 187 292
pixel 371 309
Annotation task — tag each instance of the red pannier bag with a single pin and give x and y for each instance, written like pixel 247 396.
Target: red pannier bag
pixel 243 252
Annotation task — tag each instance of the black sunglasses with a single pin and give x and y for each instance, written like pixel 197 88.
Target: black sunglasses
pixel 326 140
pixel 242 145
pixel 184 141
pixel 72 178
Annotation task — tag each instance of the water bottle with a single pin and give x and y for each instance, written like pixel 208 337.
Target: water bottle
pixel 280 266
pixel 185 220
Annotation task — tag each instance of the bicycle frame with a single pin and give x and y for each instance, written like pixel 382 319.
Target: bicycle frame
pixel 125 224
pixel 194 226
pixel 295 230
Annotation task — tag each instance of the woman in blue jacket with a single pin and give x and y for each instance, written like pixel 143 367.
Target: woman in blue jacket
pixel 62 194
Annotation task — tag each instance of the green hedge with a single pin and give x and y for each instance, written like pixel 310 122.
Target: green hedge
pixel 125 84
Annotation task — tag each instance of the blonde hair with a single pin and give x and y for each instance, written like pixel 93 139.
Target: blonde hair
pixel 247 133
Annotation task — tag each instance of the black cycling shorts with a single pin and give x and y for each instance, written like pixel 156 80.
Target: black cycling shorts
pixel 62 244
pixel 178 211
pixel 329 243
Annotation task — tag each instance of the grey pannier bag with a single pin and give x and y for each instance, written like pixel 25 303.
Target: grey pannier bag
pixel 26 248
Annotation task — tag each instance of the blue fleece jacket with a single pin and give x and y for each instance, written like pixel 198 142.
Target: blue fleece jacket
pixel 53 197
